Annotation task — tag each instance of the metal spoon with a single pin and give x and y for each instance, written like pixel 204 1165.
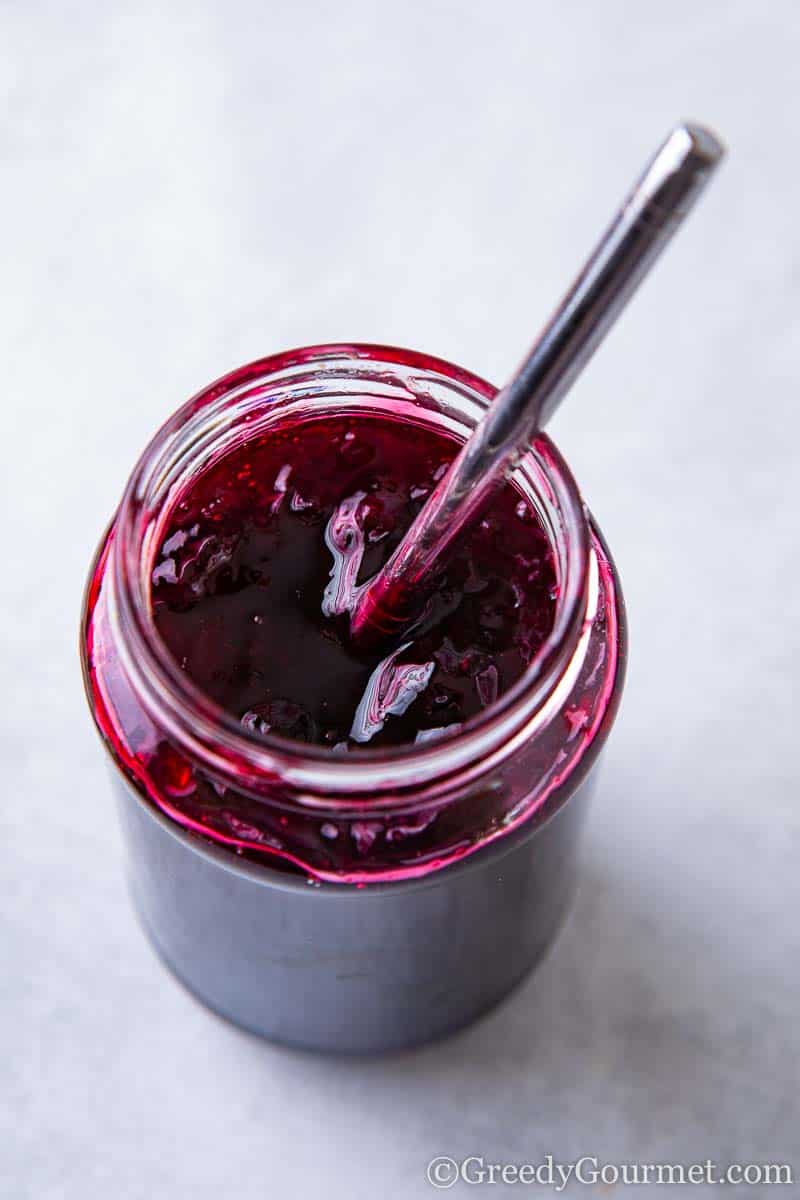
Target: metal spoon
pixel 668 188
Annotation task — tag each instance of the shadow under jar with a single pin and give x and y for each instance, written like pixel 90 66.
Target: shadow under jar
pixel 381 897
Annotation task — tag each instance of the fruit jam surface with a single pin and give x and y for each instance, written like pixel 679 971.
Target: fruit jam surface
pixel 261 561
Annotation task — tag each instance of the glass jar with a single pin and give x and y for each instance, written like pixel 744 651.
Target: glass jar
pixel 375 899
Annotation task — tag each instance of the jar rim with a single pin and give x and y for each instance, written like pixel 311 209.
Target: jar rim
pixel 203 729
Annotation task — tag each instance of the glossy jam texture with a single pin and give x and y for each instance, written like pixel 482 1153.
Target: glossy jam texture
pixel 261 559
pixel 231 556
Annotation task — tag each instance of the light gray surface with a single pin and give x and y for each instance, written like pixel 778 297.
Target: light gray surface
pixel 186 187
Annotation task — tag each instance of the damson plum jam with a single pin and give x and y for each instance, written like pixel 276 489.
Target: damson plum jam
pixel 216 647
pixel 263 556
pixel 347 850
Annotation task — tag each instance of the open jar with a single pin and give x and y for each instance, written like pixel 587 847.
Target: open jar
pixel 375 899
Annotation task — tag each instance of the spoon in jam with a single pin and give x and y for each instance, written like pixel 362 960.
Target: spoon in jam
pixel 391 603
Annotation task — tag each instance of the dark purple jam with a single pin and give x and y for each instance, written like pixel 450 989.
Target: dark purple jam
pixel 261 561
pixel 246 576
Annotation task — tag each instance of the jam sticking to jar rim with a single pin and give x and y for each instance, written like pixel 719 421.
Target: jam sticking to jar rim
pixel 368 815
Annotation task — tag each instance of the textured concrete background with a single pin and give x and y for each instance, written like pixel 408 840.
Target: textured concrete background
pixel 188 186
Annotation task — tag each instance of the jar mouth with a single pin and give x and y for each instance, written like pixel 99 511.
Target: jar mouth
pixel 244 403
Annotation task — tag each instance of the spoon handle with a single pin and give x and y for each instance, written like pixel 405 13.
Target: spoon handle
pixel 661 198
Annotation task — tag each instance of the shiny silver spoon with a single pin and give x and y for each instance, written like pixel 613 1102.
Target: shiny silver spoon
pixel 668 188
